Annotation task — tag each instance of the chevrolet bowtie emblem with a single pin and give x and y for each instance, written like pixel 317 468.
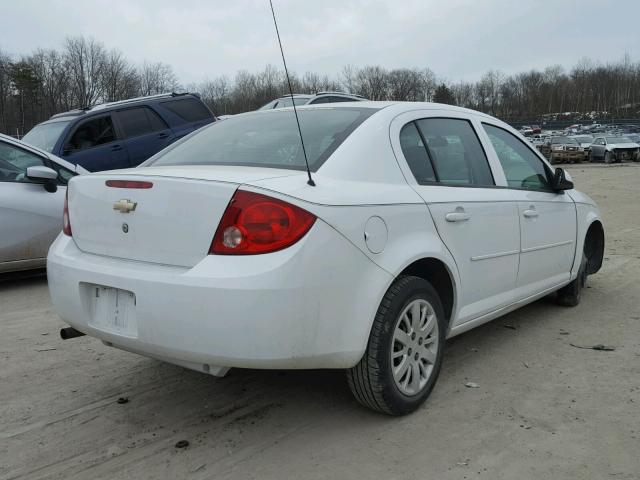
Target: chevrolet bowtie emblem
pixel 125 206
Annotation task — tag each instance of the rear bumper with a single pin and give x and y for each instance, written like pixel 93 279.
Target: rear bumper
pixel 308 306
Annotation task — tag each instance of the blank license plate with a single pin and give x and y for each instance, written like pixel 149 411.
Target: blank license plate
pixel 113 310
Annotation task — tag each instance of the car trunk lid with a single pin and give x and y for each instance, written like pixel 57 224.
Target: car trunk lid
pixel 172 222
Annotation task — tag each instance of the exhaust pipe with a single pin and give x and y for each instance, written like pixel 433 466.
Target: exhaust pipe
pixel 70 332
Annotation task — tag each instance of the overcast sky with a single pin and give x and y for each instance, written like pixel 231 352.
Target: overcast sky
pixel 457 39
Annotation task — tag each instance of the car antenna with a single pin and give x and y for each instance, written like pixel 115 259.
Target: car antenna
pixel 295 110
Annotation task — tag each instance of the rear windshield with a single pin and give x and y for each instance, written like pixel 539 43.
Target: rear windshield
pixel 268 139
pixel 45 135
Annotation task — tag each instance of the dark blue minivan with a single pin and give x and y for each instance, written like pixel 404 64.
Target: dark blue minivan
pixel 120 134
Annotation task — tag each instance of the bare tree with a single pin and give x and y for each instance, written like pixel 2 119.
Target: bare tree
pixel 34 87
pixel 85 60
pixel 157 78
pixel 216 94
pixel 119 78
pixel 372 82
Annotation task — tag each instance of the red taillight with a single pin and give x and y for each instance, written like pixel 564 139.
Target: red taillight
pixel 254 223
pixel 128 184
pixel 66 222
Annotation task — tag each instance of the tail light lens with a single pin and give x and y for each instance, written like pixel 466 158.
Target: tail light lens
pixel 66 222
pixel 255 223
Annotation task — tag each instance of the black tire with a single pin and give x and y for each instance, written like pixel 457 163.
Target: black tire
pixel 371 380
pixel 569 296
pixel 607 157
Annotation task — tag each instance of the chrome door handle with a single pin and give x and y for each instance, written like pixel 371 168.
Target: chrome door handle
pixel 457 217
pixel 530 213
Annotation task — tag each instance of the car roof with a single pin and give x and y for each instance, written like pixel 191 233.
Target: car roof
pixel 113 105
pixel 321 94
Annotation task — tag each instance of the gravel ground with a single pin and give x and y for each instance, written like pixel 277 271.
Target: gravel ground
pixel 543 409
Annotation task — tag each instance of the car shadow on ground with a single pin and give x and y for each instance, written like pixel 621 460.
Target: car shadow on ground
pixel 180 395
pixel 22 279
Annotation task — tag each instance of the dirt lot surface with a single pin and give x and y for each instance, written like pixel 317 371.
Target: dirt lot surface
pixel 543 409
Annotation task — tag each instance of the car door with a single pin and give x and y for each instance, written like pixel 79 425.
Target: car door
pixel 477 221
pixel 548 225
pixel 597 148
pixel 144 133
pixel 30 216
pixel 95 145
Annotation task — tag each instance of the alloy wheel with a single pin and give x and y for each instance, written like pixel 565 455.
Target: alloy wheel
pixel 415 347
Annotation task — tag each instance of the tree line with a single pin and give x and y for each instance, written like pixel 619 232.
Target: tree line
pixel 85 72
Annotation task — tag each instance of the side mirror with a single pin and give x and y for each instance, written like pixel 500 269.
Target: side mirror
pixel 561 180
pixel 45 175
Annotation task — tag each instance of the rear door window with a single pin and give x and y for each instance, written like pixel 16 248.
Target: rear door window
pixel 416 154
pixel 455 152
pixel 91 133
pixel 139 121
pixel 189 109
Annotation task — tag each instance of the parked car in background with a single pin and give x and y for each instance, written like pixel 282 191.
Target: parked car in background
pixel 536 129
pixel 120 134
pixel 370 269
pixel 526 130
pixel 32 191
pixel 591 128
pixel 565 149
pixel 634 137
pixel 614 148
pixel 585 142
pixel 304 99
pixel 573 129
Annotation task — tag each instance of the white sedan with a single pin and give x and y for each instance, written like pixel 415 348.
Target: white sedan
pixel 425 221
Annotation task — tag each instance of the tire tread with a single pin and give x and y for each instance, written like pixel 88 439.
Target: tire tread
pixel 366 378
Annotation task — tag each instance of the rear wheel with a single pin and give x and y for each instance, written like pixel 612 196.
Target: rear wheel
pixel 402 361
pixel 569 296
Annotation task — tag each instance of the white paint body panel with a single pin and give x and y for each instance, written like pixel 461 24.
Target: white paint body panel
pixel 312 304
pixel 30 216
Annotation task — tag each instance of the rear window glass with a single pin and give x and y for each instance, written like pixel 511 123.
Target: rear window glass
pixel 455 151
pixel 139 121
pixel 415 154
pixel 189 109
pixel 268 139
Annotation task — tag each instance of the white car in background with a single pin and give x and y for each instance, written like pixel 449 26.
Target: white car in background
pixel 425 221
pixel 33 184
pixel 312 99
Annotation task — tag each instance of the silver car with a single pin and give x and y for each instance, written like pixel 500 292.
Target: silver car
pixel 308 99
pixel 33 184
pixel 614 148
